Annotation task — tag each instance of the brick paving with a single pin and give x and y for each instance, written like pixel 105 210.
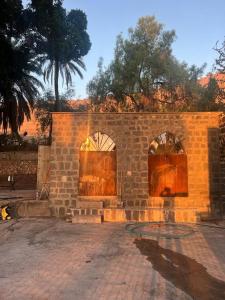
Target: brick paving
pixel 48 259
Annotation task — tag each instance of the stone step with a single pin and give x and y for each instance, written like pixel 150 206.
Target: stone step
pixel 88 219
pixel 84 212
pixel 89 204
pixel 138 215
pixel 33 208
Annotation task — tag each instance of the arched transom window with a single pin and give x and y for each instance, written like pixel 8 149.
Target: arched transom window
pixel 98 142
pixel 166 143
pixel 167 165
pixel 97 166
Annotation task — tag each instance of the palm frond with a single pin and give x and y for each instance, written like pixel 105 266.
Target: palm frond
pixel 61 70
pixel 68 76
pixel 75 70
pixel 48 72
pixel 80 63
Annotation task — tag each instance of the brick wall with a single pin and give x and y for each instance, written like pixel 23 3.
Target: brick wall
pixel 132 133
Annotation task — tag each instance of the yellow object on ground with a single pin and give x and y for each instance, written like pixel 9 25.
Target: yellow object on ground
pixel 5 214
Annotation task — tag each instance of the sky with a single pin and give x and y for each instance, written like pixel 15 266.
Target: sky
pixel 199 24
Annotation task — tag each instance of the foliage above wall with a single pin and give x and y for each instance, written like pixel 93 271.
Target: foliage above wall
pixel 145 76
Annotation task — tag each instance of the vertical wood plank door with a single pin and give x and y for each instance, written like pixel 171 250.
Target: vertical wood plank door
pixel 97 173
pixel 167 175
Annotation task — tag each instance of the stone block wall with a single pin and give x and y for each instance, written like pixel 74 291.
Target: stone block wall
pixel 132 133
pixel 22 165
pixel 18 162
pixel 222 157
pixel 43 168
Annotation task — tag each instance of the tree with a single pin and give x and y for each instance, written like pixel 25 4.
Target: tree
pixel 220 68
pixel 44 106
pixel 18 85
pixel 144 68
pixel 220 61
pixel 211 97
pixel 99 87
pixel 64 42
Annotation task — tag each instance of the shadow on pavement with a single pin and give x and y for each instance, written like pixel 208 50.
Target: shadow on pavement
pixel 183 272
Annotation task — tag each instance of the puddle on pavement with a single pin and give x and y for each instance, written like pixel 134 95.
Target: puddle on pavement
pixel 182 271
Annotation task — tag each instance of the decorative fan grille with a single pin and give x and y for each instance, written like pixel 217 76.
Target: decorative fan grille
pixel 166 143
pixel 98 142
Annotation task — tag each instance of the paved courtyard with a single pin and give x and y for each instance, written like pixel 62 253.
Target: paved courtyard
pixel 51 259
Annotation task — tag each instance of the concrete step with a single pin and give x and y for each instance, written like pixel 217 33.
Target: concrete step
pixel 88 219
pixel 33 208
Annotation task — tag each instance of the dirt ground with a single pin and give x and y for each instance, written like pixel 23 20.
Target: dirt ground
pixel 48 259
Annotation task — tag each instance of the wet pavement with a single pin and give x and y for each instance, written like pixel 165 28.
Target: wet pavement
pixel 50 259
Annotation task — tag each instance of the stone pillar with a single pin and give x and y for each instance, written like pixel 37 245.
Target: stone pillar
pixel 43 165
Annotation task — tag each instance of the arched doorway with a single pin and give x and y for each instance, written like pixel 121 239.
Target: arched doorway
pixel 97 166
pixel 167 166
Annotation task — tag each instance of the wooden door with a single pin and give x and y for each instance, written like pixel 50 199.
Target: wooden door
pixel 168 175
pixel 97 173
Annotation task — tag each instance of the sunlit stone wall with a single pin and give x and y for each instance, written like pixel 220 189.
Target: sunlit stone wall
pixel 222 158
pixel 132 133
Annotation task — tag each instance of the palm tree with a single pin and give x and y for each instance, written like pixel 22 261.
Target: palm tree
pixel 64 42
pixel 52 70
pixel 18 85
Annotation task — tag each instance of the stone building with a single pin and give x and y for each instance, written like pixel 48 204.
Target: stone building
pixel 135 166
